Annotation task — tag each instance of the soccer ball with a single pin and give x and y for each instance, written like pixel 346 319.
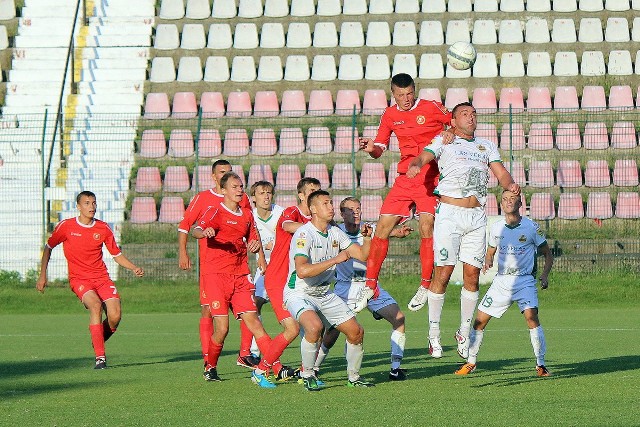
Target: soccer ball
pixel 461 55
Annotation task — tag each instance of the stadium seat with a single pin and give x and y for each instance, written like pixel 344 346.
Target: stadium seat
pixel 635 31
pixel 236 143
pixel 620 98
pixel 378 34
pixel 540 136
pixel 259 173
pixel 539 64
pixel 536 31
pixel 239 170
pixel 541 174
pixel 393 173
pixel 616 5
pixel 569 174
pixel 250 9
pixel 371 205
pixel 169 9
pixel 156 106
pixel 163 70
pixel 329 8
pixel 176 179
pixel 516 168
pixel 570 206
pixel 541 207
pixel 590 5
pixel 189 70
pixel 293 103
pixel 566 64
pixel 298 35
pixel 459 6
pixel 617 30
pixel 457 31
pixel 346 100
pixel 350 68
pixel 595 136
pixel 219 36
pixel 566 99
pixel 216 69
pixel 202 178
pixel 276 8
pixel 343 177
pixel 491 205
pixel 405 33
pixel 485 6
pixel 593 99
pixel 431 66
pixel 377 67
pixel 511 100
pixel 286 200
pixel 209 143
pixel 435 6
pixel 539 99
pixel 167 37
pixel 192 37
pixel 487 131
pixel 484 100
pixel 296 68
pixel 628 205
pixel 171 210
pixel 599 206
pixel 539 6
pixel 184 105
pixel 198 9
pixel 323 68
pixel 486 65
pixel 263 142
pixel 245 36
pixel 212 105
pixel 303 8
pixel 429 93
pixel 351 34
pixel 623 135
pixel 270 69
pixel 370 131
pixel 455 96
pixel 563 31
pixel 510 32
pixel 511 65
pixel 346 140
pixel 143 210
pixel 148 180
pixel 625 173
pixel 355 7
pixel 512 136
pixel 597 174
pixel 407 6
pixel 272 36
pixel 266 104
pixel 590 30
pixel 380 7
pixel 568 136
pixel 318 140
pixel 318 171
pixel 320 102
pixel 484 32
pixel 153 144
pixel 512 5
pixel 224 9
pixel 431 33
pixel 287 177
pixel 592 64
pixel 291 141
pixel 325 34
pixel 374 102
pixel 243 69
pixel 239 104
pixel 180 143
pixel 620 63
pixel 372 176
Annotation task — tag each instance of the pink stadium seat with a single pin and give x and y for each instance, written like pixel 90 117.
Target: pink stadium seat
pixel 153 144
pixel 374 103
pixel 184 105
pixel 541 174
pixel 517 172
pixel 259 173
pixel 429 93
pixel 623 135
pixel 318 171
pixel 343 177
pixel 148 180
pixel 370 131
pixel 491 206
pixel 320 103
pixel 204 178
pixel 180 143
pixel 318 140
pixel 599 206
pixel 371 206
pixel 176 179
pixel 628 205
pixel 620 98
pixel 266 104
pixel 455 96
pixel 394 145
pixel 156 106
pixel 291 141
pixel 212 105
pixel 493 181
pixel 263 142
pixel 568 136
pixel 236 143
pixel 346 140
pixel 484 100
pixel 566 99
pixel 541 206
pixel 625 173
pixel 286 200
pixel 487 131
pixel 372 176
pixel 540 136
pixel 512 135
pixel 239 104
pixel 393 173
pixel 293 104
pixel 336 207
pixel 209 143
pixel 569 173
pixel 570 206
pixel 597 174
pixel 595 136
pixel 593 98
pixel 346 99
pixel 143 210
pixel 171 210
pixel 511 96
pixel 287 177
pixel 539 99
pixel 239 170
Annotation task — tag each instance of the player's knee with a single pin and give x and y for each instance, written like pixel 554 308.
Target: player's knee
pixel 313 331
pixel 398 321
pixel 356 335
pixel 291 330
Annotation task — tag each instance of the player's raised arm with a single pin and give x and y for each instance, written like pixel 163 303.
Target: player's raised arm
pixel 305 269
pixel 44 264
pixel 504 177
pixel 417 163
pixel 368 145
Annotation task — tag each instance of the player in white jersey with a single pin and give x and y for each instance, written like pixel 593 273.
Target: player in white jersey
pixel 316 248
pixel 460 224
pixel 517 240
pixel 350 282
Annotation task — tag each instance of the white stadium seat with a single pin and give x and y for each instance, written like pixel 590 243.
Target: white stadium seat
pixel 296 68
pixel 355 7
pixel 219 37
pixel 536 30
pixel 245 36
pixel 591 5
pixel 459 6
pixel 329 8
pixel 299 35
pixel 510 32
pixel 189 69
pixel 303 8
pixel 486 65
pixel 484 32
pixel 250 9
pixel 272 35
pixel 163 70
pixel 434 6
pixel 453 73
pixel 407 6
pixel 378 34
pixel 325 34
pixel 405 33
pixel 511 65
pixel 169 9
pixel 616 5
pixel 564 5
pixel 539 64
pixel 350 67
pixel 380 7
pixel 431 33
pixel 635 31
pixel 512 5
pixel 378 67
pixel 592 63
pixel 243 69
pixel 590 31
pixel 351 34
pixel 564 31
pixel 323 68
pixel 565 64
pixel 224 9
pixel 617 30
pixel 457 30
pixel 167 37
pixel 485 5
pixel 198 9
pixel 620 63
pixel 270 69
pixel 193 37
pixel 276 8
pixel 431 66
pixel 216 69
pixel 539 6
pixel 405 63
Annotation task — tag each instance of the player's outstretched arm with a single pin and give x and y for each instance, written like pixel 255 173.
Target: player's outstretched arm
pixel 488 259
pixel 504 177
pixel 306 269
pixel 361 252
pixel 184 262
pixel 548 263
pixel 368 146
pixel 44 264
pixel 417 163
pixel 200 233
pixel 124 262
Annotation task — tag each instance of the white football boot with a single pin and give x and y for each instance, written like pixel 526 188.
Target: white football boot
pixel 435 348
pixel 419 299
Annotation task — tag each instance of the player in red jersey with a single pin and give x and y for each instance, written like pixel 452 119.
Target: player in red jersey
pixel 200 203
pixel 415 123
pixel 82 239
pixel 230 232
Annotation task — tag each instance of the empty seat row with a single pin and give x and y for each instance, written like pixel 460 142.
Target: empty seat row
pixel 7 10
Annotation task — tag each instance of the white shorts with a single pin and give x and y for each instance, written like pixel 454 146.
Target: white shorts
pixel 459 234
pixel 505 290
pixel 331 309
pixel 349 292
pixel 258 282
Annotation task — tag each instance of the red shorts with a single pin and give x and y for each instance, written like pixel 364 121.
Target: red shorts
pixel 222 291
pixel 103 287
pixel 275 288
pixel 406 193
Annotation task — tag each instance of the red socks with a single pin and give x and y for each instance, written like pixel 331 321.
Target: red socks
pixel 214 353
pixel 377 254
pixel 245 339
pixel 107 330
pixel 97 339
pixel 272 353
pixel 426 259
pixel 206 330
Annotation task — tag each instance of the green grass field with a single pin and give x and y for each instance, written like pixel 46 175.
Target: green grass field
pixel 46 375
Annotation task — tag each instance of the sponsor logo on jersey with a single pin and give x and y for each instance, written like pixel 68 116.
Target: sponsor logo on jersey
pixel 522 238
pixel 420 120
pixel 96 236
pixel 540 232
pixel 482 148
pixel 300 243
pixel 76 234
pixel 232 222
pixel 335 244
pixel 401 122
pixel 81 288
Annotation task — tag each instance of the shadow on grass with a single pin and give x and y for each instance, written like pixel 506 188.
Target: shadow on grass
pixel 25 390
pixel 42 366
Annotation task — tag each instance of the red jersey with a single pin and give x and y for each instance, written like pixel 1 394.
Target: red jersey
pixel 279 262
pixel 226 252
pixel 414 129
pixel 82 246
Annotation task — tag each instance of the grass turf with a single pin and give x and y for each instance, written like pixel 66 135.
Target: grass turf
pixel 155 367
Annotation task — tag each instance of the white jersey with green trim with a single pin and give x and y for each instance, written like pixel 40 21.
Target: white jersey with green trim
pixel 464 166
pixel 310 242
pixel 516 246
pixel 267 227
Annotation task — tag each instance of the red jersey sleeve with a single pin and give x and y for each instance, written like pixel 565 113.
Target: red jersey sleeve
pixel 110 242
pixel 208 219
pixel 440 113
pixel 58 236
pixel 384 129
pixel 245 203
pixel 253 228
pixel 190 215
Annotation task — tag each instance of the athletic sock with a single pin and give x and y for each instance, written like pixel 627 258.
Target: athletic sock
pixel 398 340
pixel 323 351
pixel 377 254
pixel 97 339
pixel 436 302
pixel 245 339
pixel 475 341
pixel 468 302
pixel 354 360
pixel 273 352
pixel 308 352
pixel 254 345
pixel 214 353
pixel 539 344
pixel 107 330
pixel 206 330
pixel 263 343
pixel 426 260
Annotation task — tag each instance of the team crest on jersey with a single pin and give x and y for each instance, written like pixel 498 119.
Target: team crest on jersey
pixel 522 238
pixel 300 243
pixel 482 148
pixel 81 288
pixel 335 244
pixel 420 120
pixel 540 232
pixel 215 304
pixel 96 236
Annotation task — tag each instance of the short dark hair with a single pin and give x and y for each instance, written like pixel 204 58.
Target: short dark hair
pixel 315 195
pixel 457 107
pixel 307 180
pixel 84 193
pixel 254 187
pixel 221 162
pixel 402 80
pixel 348 199
pixel 227 176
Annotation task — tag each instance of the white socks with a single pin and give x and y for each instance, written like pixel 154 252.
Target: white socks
pixel 468 302
pixel 475 341
pixel 436 302
pixel 354 360
pixel 539 344
pixel 308 352
pixel 398 340
pixel 322 354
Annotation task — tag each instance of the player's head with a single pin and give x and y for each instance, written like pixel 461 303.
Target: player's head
pixel 231 187
pixel 262 193
pixel 86 203
pixel 463 118
pixel 510 203
pixel 350 209
pixel 321 205
pixel 403 90
pixel 306 186
pixel 218 169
